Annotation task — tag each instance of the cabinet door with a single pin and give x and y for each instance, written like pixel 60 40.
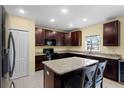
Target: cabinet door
pixel 49 34
pixel 38 62
pixel 67 40
pixel 111 70
pixel 111 34
pixel 59 38
pixel 73 38
pixel 48 78
pixel 76 38
pixel 39 36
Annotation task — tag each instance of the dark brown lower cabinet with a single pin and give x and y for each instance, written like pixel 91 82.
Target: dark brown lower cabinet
pixel 111 70
pixel 38 62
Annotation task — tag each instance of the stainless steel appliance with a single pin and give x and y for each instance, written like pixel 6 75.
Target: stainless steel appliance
pixel 121 71
pixel 50 42
pixel 7 55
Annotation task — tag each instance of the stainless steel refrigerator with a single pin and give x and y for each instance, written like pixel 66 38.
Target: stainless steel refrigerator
pixel 7 54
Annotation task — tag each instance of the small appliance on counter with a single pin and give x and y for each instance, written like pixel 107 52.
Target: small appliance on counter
pixel 121 71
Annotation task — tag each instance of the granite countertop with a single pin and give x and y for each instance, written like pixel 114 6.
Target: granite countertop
pixel 65 65
pixel 95 54
pixel 98 54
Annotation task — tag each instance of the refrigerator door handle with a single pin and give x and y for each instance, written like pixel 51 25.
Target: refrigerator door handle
pixel 11 70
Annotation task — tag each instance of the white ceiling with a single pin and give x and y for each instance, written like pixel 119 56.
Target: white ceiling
pixel 43 13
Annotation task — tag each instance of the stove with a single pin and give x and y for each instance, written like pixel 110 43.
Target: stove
pixel 49 52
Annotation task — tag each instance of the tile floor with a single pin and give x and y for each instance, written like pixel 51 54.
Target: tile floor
pixel 36 81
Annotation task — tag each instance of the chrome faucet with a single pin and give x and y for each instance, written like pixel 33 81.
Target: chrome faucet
pixel 90 49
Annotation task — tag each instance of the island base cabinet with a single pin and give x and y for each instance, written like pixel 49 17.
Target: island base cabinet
pixel 48 78
pixel 51 80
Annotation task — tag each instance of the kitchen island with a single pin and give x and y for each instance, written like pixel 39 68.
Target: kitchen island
pixel 56 70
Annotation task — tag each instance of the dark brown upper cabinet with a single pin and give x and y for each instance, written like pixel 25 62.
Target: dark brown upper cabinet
pixel 76 37
pixel 39 36
pixel 111 33
pixel 49 34
pixel 60 38
pixel 67 39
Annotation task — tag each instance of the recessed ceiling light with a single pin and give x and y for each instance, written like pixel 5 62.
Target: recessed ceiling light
pixel 71 25
pixel 21 11
pixel 64 10
pixel 84 19
pixel 52 20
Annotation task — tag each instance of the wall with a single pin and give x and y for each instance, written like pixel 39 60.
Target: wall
pixel 28 25
pixel 98 30
pixel 56 48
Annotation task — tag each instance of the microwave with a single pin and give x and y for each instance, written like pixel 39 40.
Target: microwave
pixel 50 42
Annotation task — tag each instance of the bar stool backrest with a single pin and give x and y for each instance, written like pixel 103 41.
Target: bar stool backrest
pixel 88 76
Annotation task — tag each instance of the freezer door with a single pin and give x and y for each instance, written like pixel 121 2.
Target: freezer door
pixel 11 54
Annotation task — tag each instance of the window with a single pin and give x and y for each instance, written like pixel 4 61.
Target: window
pixel 92 43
